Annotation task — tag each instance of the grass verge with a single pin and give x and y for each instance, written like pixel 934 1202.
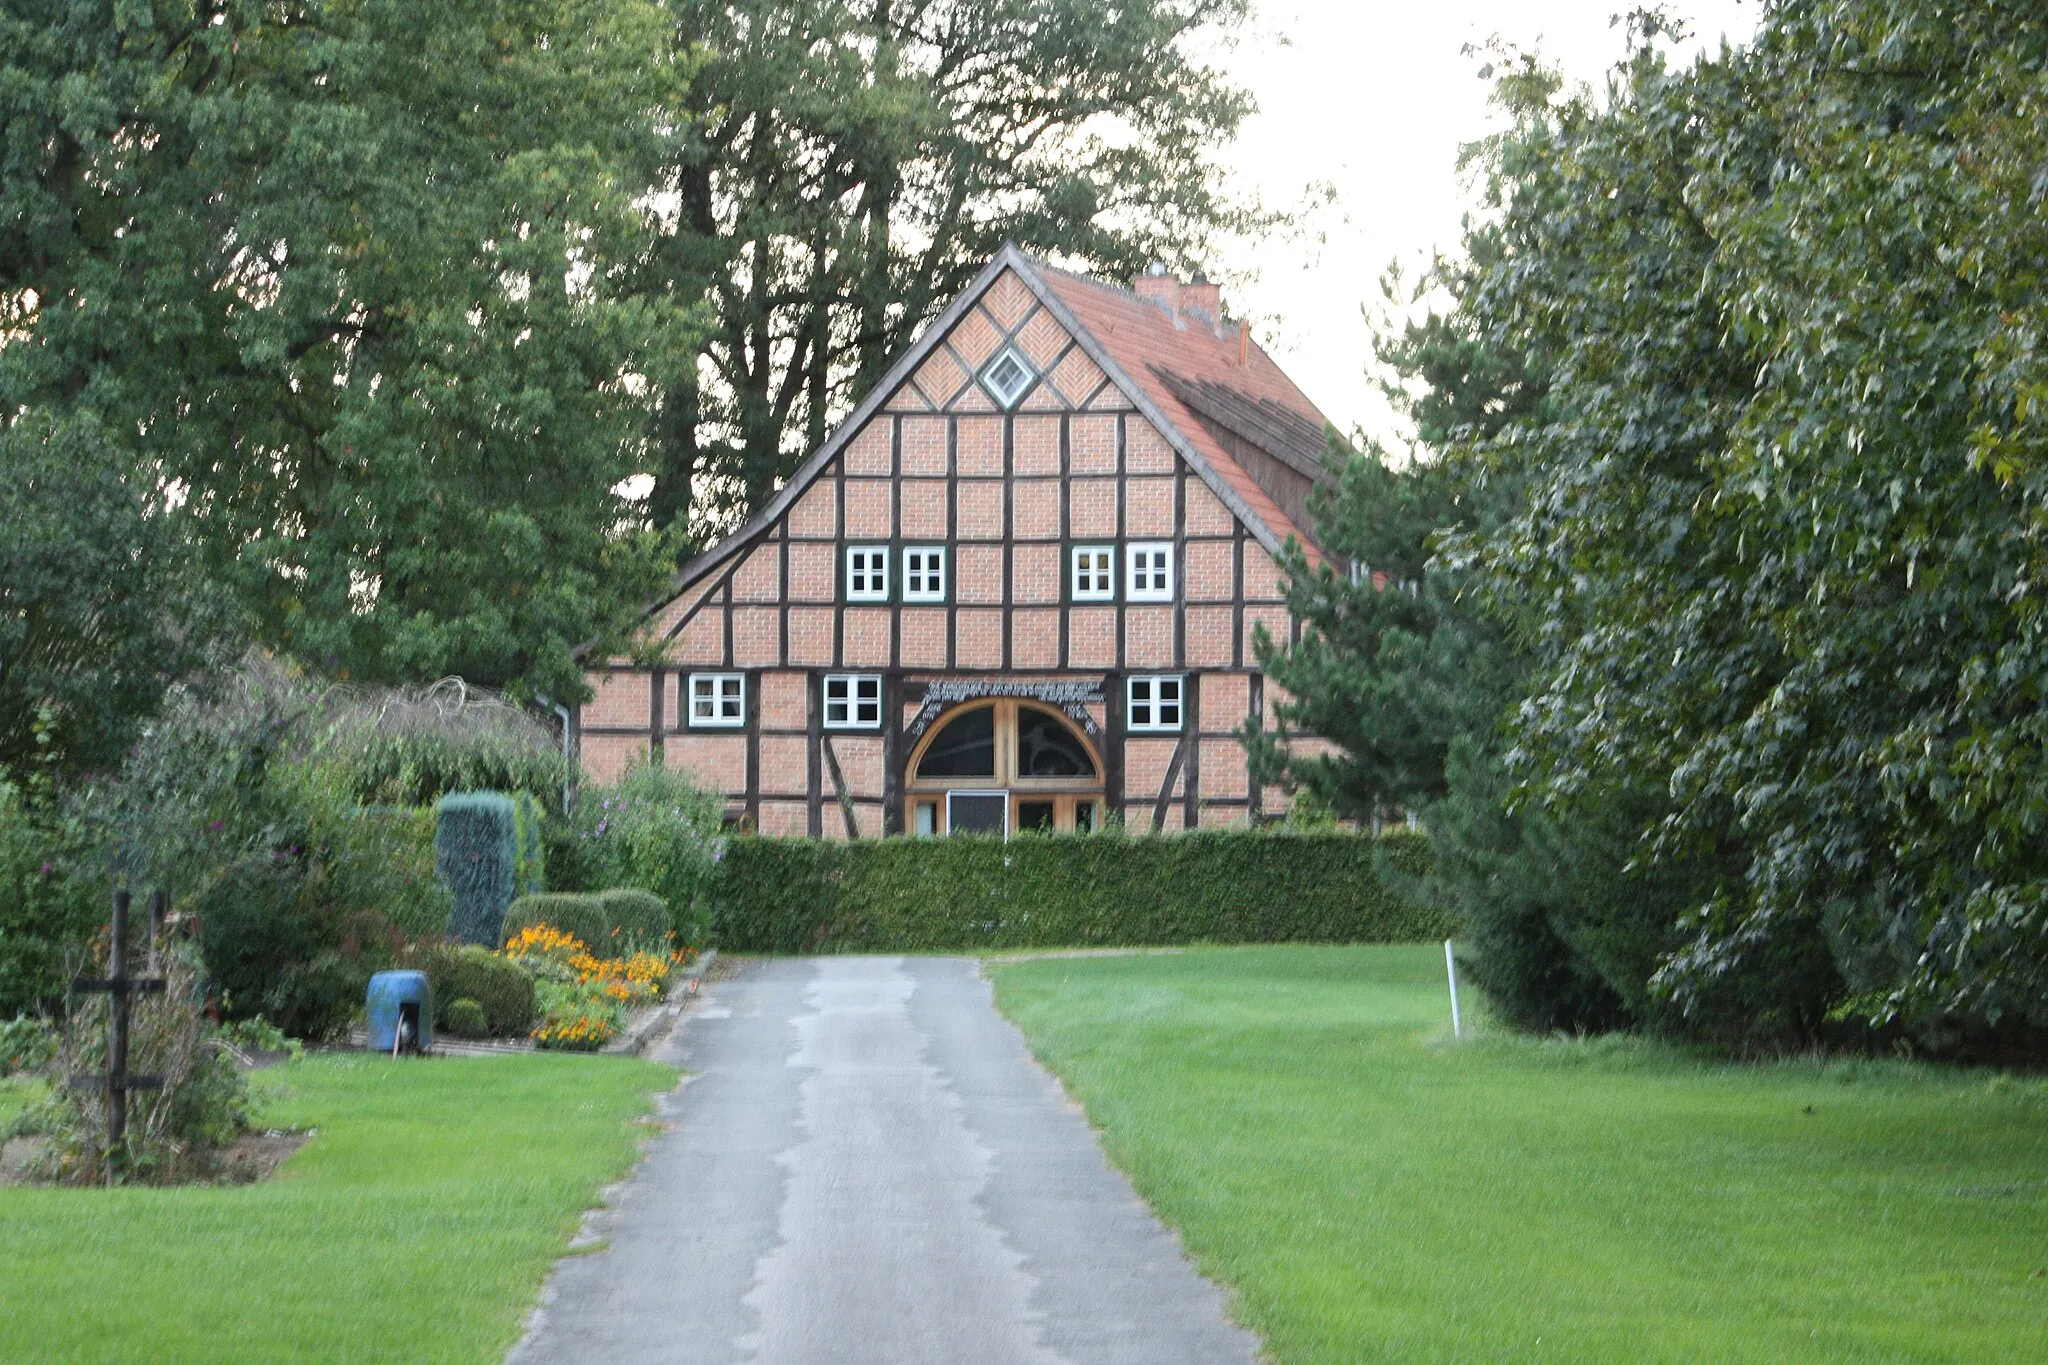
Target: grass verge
pixel 1372 1191
pixel 416 1226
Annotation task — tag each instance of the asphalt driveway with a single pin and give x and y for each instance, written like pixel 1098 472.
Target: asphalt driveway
pixel 868 1166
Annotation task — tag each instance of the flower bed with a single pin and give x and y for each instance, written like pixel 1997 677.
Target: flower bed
pixel 584 998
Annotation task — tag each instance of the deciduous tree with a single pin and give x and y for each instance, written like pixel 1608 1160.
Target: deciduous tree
pixel 854 162
pixel 339 283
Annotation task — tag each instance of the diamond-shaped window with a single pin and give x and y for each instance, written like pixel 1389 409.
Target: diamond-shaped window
pixel 1006 377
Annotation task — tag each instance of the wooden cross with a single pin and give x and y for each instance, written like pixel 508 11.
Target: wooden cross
pixel 121 987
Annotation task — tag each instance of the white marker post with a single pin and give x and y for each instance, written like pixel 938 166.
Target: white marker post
pixel 1451 970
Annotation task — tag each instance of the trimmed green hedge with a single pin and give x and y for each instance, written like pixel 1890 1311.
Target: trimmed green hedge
pixel 911 895
pixel 594 916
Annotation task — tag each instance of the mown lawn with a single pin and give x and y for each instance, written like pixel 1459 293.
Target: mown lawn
pixel 417 1225
pixel 1373 1191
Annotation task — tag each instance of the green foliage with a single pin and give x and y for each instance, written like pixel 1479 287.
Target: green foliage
pixel 476 853
pixel 529 870
pixel 852 167
pixel 269 933
pixel 100 610
pixel 175 1130
pixel 407 746
pixel 348 278
pixel 381 861
pixel 639 917
pixel 914 895
pixel 1413 673
pixel 1779 524
pixel 47 905
pixel 244 800
pixel 471 973
pixel 259 1035
pixel 1716 684
pixel 608 922
pixel 570 860
pixel 577 1016
pixel 654 830
pixel 466 1019
pixel 26 1044
pixel 573 912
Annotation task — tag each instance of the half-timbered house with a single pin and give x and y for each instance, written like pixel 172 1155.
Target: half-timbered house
pixel 1017 588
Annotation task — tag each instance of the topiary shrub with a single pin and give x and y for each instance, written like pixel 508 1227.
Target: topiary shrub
pixel 476 852
pixel 466 1019
pixel 578 914
pixel 608 922
pixel 639 917
pixel 470 973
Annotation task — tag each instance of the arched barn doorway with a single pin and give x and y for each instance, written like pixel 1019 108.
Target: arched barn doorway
pixel 999 766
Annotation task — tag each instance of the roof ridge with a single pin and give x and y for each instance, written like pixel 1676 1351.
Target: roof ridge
pixel 1033 271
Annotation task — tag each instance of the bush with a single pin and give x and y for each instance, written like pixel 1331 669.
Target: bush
pixel 504 992
pixel 381 860
pixel 412 746
pixel 571 862
pixel 26 1044
pixel 476 851
pixel 910 895
pixel 614 921
pixel 609 921
pixel 655 831
pixel 577 913
pixel 270 939
pixel 639 918
pixel 175 1131
pixel 529 871
pixel 466 1019
pixel 44 907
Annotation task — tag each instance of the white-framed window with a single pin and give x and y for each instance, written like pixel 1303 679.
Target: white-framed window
pixel 853 701
pixel 1094 573
pixel 716 700
pixel 924 573
pixel 867 573
pixel 1007 376
pixel 1152 701
pixel 1150 568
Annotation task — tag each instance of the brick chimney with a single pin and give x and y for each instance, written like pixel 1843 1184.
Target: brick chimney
pixel 1202 301
pixel 1192 303
pixel 1159 285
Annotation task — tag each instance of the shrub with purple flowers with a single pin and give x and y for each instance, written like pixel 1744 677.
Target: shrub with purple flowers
pixel 654 830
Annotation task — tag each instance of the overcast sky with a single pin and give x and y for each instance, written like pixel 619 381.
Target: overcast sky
pixel 1374 97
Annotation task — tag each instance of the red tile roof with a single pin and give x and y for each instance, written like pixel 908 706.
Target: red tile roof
pixel 1144 339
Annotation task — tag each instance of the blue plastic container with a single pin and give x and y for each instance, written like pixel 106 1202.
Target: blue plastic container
pixel 396 997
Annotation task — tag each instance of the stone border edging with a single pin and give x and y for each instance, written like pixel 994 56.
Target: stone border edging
pixel 644 1027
